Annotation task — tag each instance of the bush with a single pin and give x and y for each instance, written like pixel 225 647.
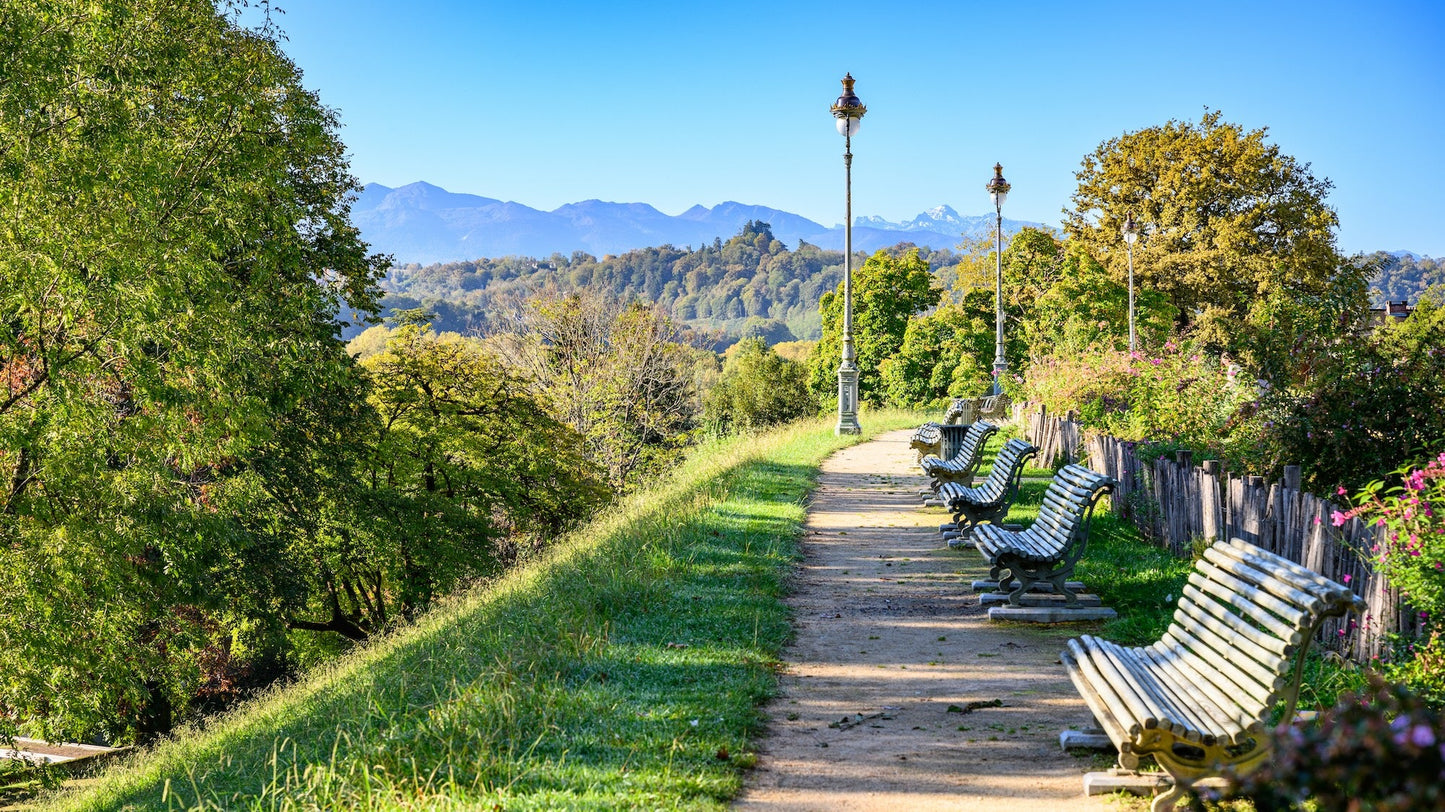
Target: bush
pixel 1380 751
pixel 1369 405
pixel 758 388
pixel 1187 399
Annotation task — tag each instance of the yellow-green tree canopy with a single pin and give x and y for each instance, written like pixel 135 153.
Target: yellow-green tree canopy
pixel 1235 232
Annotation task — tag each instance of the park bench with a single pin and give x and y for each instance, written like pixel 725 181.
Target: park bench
pixel 1199 699
pixel 961 411
pixel 990 501
pixel 1046 551
pixel 961 466
pixel 927 439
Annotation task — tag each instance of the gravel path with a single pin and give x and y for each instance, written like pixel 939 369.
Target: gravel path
pixel 890 700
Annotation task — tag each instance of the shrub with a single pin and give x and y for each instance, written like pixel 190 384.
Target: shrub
pixel 1411 554
pixel 758 388
pixel 1382 750
pixel 1369 405
pixel 1187 399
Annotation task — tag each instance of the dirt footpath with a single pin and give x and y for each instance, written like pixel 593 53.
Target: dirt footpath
pixel 891 699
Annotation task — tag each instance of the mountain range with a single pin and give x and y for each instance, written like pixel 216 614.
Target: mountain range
pixel 423 223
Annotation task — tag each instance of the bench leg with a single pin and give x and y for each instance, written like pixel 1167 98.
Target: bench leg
pixel 1215 761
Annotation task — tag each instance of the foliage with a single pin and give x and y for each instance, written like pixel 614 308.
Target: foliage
pixel 459 469
pixel 944 354
pixel 1411 555
pixel 1177 395
pixel 1403 278
pixel 1238 237
pixel 617 374
pixel 758 389
pixel 573 682
pixel 1085 307
pixel 1379 751
pixel 174 243
pixel 1371 403
pixel 887 291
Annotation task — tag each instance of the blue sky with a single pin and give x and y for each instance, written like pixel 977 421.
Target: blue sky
pixel 677 103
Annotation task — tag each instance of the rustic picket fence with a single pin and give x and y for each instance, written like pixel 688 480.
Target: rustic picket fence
pixel 1179 504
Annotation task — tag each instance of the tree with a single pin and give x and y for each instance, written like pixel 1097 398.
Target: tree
pixel 1371 405
pixel 1085 309
pixel 1229 220
pixel 616 373
pixel 944 354
pixel 459 468
pixel 757 389
pixel 174 244
pixel 887 291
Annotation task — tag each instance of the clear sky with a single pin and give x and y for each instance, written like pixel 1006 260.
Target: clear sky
pixel 676 103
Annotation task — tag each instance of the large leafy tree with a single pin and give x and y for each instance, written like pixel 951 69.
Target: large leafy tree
pixel 1230 222
pixel 887 291
pixel 174 244
pixel 458 470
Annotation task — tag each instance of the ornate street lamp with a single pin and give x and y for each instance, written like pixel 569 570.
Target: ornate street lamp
pixel 1131 233
pixel 998 189
pixel 848 113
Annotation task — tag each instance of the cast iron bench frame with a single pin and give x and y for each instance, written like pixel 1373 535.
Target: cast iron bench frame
pixel 1048 549
pixel 991 501
pixel 961 466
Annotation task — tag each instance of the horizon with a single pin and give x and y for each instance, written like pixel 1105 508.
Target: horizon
pixel 552 105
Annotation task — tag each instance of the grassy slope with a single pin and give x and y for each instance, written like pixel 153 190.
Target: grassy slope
pixel 622 670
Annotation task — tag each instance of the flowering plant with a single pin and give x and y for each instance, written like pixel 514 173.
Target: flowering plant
pixel 1411 551
pixel 1382 750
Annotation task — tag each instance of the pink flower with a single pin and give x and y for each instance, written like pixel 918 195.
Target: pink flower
pixel 1347 578
pixel 1340 490
pixel 1338 518
pixel 1317 520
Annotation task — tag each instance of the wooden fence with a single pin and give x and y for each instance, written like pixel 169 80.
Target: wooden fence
pixel 1178 505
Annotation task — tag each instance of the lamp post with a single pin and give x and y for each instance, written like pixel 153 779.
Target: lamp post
pixel 1131 233
pixel 848 113
pixel 998 189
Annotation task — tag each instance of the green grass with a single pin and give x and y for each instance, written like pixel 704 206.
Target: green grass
pixel 624 669
pixel 1139 580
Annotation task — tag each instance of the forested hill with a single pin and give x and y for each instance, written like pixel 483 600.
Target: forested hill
pixel 751 284
pixel 1404 276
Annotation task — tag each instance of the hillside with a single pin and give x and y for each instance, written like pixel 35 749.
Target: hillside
pixel 752 284
pixel 1403 276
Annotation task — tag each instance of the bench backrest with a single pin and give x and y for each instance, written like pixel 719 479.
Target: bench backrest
pixel 1068 507
pixel 1245 620
pixel 970 450
pixel 1008 469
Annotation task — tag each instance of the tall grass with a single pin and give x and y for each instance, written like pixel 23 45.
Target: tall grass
pixel 622 669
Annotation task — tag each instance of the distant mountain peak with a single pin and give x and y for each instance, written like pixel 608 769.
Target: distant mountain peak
pixel 424 223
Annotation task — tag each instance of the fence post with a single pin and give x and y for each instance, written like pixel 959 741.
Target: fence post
pixel 1292 477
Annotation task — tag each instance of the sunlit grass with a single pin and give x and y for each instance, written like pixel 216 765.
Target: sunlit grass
pixel 623 669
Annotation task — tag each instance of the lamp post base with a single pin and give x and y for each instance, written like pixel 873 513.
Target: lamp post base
pixel 848 400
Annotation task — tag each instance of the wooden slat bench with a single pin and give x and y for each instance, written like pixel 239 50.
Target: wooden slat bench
pixel 1199 699
pixel 990 501
pixel 961 466
pixel 1047 550
pixel 961 411
pixel 927 439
